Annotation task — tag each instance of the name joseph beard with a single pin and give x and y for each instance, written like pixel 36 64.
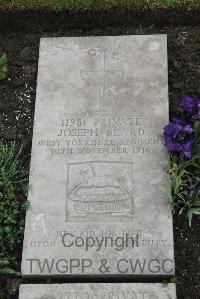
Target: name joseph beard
pixel 119 243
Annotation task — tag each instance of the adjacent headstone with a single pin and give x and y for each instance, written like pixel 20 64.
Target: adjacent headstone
pixel 98 173
pixel 98 291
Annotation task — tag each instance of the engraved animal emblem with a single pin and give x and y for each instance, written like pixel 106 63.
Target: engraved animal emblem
pixel 99 190
pixel 88 178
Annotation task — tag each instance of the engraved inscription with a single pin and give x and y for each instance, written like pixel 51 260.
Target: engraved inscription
pixel 99 191
pixel 112 294
pixel 104 294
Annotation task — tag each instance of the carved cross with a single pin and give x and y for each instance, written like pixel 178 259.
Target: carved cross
pixel 101 73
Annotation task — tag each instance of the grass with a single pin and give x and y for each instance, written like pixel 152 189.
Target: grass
pixel 13 205
pixel 58 5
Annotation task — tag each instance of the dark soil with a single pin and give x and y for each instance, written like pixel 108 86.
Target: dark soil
pixel 17 99
pixel 41 20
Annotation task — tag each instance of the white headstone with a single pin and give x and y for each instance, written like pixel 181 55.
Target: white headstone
pixel 98 174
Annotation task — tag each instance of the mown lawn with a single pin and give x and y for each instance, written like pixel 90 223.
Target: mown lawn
pixel 57 5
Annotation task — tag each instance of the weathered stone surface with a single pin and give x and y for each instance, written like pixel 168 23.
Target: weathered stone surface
pixel 98 173
pixel 98 291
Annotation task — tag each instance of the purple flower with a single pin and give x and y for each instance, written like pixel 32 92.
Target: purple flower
pixel 193 192
pixel 191 107
pixel 179 137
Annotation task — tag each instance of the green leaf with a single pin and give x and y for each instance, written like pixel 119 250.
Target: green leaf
pixel 10 271
pixel 3 66
pixel 192 211
pixel 173 280
pixel 166 155
pixel 181 210
pixel 4 262
pixel 26 204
